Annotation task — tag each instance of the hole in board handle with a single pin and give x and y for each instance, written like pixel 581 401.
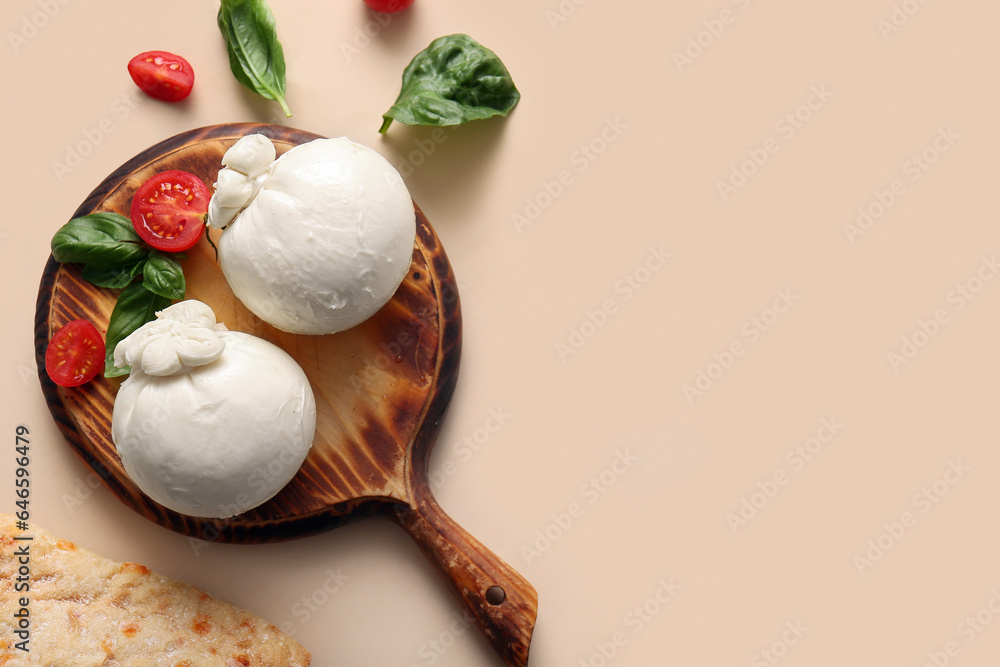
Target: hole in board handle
pixel 495 595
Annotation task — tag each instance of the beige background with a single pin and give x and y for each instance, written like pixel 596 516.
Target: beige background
pixel 879 548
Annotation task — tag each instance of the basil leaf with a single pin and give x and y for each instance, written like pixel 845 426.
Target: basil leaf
pixel 136 305
pixel 163 275
pixel 255 54
pixel 138 269
pixel 106 239
pixel 454 80
pixel 111 277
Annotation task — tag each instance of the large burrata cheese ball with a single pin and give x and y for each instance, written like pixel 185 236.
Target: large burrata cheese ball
pixel 210 422
pixel 316 241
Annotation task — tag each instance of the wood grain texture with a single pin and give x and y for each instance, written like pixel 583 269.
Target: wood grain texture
pixel 381 389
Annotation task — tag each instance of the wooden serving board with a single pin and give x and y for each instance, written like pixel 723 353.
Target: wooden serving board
pixel 381 391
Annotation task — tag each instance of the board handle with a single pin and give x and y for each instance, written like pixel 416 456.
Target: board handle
pixel 504 604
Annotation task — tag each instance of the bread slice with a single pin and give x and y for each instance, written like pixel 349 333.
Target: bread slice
pixel 87 610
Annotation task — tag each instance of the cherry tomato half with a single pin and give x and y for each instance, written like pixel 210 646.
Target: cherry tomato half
pixel 162 75
pixel 75 354
pixel 168 211
pixel 389 6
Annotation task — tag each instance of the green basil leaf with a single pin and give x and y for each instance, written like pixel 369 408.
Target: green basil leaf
pixel 163 275
pixel 105 239
pixel 136 305
pixel 255 54
pixel 138 269
pixel 454 80
pixel 111 277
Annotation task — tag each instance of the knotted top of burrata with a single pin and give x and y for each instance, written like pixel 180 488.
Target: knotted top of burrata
pixel 210 422
pixel 317 240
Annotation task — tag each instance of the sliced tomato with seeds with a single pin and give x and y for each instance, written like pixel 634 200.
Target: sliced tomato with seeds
pixel 168 211
pixel 75 354
pixel 162 75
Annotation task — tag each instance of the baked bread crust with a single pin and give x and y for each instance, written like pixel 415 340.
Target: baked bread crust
pixel 87 610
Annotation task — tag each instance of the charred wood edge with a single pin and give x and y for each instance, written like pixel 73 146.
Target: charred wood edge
pixel 520 604
pixel 508 625
pixel 228 530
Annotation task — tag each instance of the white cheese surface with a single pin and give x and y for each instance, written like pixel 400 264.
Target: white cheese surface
pixel 316 241
pixel 216 437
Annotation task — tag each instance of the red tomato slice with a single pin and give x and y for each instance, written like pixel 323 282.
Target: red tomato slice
pixel 162 75
pixel 389 6
pixel 75 354
pixel 168 211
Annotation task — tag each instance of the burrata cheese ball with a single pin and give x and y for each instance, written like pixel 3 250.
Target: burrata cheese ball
pixel 210 422
pixel 317 240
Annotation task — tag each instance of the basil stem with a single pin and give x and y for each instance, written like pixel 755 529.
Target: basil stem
pixel 136 305
pixel 454 80
pixel 255 54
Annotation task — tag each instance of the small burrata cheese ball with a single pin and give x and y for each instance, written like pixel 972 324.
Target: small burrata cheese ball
pixel 210 422
pixel 316 241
